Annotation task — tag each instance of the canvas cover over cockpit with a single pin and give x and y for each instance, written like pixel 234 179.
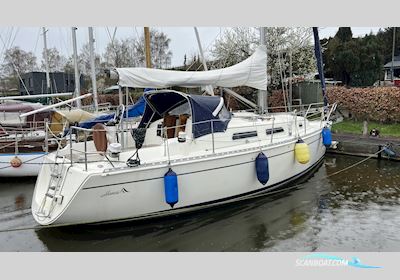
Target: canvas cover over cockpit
pixel 208 113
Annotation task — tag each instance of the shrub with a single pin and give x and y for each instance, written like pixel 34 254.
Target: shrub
pixel 376 103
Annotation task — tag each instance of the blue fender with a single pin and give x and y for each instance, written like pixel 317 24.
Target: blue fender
pixel 171 187
pixel 326 137
pixel 262 168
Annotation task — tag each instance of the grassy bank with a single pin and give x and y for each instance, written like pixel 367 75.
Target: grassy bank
pixel 355 127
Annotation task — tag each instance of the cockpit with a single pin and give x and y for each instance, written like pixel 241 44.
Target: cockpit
pixel 175 112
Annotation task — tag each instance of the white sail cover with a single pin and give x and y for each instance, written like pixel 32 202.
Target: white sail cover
pixel 251 72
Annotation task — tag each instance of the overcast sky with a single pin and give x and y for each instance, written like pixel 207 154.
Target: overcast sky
pixel 183 40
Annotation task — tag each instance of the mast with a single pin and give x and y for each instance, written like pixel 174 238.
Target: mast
pixel 209 89
pixel 46 61
pixel 77 77
pixel 147 46
pixel 320 64
pixel 262 94
pixel 93 69
pixel 290 101
pixel 393 48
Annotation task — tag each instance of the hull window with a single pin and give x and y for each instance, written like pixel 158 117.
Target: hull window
pixel 241 135
pixel 275 130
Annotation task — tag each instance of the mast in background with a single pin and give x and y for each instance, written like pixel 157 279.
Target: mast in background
pixel 290 101
pixel 77 77
pixel 320 64
pixel 93 69
pixel 46 61
pixel 147 46
pixel 209 89
pixel 262 94
pixel 393 48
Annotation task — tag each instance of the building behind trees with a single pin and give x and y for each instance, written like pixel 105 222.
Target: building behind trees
pixel 35 83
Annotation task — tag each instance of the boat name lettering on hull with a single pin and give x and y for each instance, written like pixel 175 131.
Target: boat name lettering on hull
pixel 108 193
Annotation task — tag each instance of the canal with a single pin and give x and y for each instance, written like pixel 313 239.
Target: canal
pixel 356 210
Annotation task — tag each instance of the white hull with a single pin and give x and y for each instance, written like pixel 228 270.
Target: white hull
pixel 31 164
pixel 137 193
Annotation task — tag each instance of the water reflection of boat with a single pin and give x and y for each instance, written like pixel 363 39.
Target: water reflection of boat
pixel 246 226
pixel 193 153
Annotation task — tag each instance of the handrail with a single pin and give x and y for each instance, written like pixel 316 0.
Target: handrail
pixel 15 135
pixel 293 120
pixel 297 106
pixel 174 127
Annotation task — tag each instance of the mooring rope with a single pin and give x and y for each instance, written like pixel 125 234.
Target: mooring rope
pixel 24 162
pixel 323 178
pixel 65 163
pixel 254 196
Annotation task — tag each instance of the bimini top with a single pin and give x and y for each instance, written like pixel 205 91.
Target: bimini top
pixel 204 110
pixel 251 72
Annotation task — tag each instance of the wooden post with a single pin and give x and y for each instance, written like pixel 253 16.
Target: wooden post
pixel 147 46
pixel 380 152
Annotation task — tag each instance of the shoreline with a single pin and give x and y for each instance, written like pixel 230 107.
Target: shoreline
pixel 364 146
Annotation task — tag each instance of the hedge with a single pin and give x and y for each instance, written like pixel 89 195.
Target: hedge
pixel 380 104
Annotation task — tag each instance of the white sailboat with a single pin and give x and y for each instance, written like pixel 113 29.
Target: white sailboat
pixel 188 152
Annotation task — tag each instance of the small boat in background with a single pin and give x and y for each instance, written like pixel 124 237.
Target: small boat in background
pixel 22 140
pixel 29 131
pixel 25 140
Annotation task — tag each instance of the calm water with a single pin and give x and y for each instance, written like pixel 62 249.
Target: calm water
pixel 358 210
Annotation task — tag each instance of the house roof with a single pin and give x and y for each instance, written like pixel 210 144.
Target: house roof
pixel 396 63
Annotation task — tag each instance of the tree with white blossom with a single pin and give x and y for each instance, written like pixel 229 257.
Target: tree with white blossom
pixel 236 44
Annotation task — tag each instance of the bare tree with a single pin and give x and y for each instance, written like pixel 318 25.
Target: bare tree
pixel 159 46
pixel 69 65
pixel 131 52
pixel 84 60
pixel 120 53
pixel 17 62
pixel 56 60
